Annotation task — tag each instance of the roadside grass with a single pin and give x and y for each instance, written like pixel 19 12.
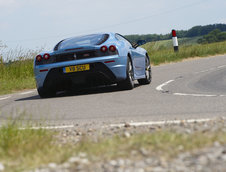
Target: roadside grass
pixel 28 149
pixel 165 143
pixel 16 71
pixel 12 85
pixel 162 53
pixel 187 41
pixel 167 44
pixel 16 76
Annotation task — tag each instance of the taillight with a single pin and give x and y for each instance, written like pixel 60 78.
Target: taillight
pixel 46 56
pixel 112 48
pixel 38 58
pixel 104 49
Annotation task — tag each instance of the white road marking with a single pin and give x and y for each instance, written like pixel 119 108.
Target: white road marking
pixel 223 66
pixel 162 122
pixel 203 71
pixel 3 98
pixel 208 70
pixel 194 95
pixel 22 93
pixel 49 127
pixel 27 92
pixel 159 88
pixel 211 69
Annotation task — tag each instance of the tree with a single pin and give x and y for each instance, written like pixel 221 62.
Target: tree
pixel 213 36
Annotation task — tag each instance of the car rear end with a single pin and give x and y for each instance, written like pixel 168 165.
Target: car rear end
pixel 84 64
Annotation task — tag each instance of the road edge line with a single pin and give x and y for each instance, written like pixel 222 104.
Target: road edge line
pixel 162 122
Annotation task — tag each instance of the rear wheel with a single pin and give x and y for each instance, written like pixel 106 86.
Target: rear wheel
pixel 128 83
pixel 148 74
pixel 46 93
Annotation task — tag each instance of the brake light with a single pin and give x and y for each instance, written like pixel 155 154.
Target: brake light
pixel 46 56
pixel 39 58
pixel 112 48
pixel 111 61
pixel 104 49
pixel 44 70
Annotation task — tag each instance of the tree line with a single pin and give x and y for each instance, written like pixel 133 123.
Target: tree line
pixel 214 36
pixel 193 32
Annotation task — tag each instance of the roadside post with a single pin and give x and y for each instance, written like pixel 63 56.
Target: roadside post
pixel 175 41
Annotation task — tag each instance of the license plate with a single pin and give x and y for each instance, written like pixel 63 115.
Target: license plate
pixel 77 68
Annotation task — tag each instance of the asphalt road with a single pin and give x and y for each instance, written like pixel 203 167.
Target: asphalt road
pixel 193 89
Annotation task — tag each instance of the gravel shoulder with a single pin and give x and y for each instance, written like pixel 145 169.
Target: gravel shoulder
pixel 141 159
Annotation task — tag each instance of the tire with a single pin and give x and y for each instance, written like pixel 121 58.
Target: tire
pixel 128 83
pixel 46 93
pixel 148 73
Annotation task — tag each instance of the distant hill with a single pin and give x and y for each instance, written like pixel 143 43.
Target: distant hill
pixel 193 32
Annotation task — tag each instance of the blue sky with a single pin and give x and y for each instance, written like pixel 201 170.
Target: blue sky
pixel 37 23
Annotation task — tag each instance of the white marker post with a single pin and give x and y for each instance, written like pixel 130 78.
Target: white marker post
pixel 175 41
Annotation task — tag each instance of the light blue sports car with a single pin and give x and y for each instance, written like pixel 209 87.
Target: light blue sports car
pixel 91 60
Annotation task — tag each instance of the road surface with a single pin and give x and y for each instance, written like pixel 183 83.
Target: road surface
pixel 192 89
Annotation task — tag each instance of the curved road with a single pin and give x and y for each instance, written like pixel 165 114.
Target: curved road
pixel 192 89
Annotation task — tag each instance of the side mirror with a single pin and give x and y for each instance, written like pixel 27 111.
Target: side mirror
pixel 135 45
pixel 141 42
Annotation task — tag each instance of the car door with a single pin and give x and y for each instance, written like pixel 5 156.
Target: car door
pixel 139 61
pixel 137 56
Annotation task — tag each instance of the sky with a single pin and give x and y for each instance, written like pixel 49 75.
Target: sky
pixel 32 24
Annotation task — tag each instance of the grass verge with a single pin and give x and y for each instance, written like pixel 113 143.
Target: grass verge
pixel 16 69
pixel 16 76
pixel 164 143
pixel 162 53
pixel 28 149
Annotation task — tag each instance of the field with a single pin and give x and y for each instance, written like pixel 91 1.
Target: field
pixel 17 74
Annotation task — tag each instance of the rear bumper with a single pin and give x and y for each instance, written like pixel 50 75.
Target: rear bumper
pixel 100 73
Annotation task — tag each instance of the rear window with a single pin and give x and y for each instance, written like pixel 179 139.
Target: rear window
pixel 94 39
